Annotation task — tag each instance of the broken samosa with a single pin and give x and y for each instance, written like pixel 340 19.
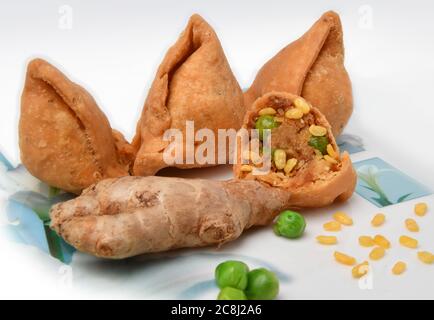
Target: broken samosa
pixel 300 150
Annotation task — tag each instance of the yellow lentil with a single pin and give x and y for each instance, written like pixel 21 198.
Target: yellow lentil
pixel 330 159
pixel 279 158
pixel 344 259
pixel 399 268
pixel 382 241
pixel 303 105
pixel 378 219
pixel 360 270
pixel 366 241
pixel 327 240
pixel 426 257
pixel 317 131
pixel 294 114
pixel 408 242
pixel 377 253
pixel 290 165
pixel 411 225
pixel 267 111
pixel 343 218
pixel 421 208
pixel 331 151
pixel 332 226
pixel 246 168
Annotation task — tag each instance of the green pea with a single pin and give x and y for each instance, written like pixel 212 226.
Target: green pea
pixel 262 285
pixel 265 122
pixel 290 224
pixel 319 143
pixel 229 293
pixel 231 274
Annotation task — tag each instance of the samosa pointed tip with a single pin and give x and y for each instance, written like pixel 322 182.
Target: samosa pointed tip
pixel 34 63
pixel 331 16
pixel 196 18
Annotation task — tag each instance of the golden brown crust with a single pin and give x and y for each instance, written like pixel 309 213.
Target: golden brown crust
pixel 340 187
pixel 65 139
pixel 125 151
pixel 194 82
pixel 337 185
pixel 312 67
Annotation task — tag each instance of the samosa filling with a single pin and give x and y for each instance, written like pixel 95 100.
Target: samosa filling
pixel 302 150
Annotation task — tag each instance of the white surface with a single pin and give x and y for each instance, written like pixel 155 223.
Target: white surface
pixel 114 47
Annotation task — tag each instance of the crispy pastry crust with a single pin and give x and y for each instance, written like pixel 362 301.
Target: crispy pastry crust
pixel 65 139
pixel 312 67
pixel 193 83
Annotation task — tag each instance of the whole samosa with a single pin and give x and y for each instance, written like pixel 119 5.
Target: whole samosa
pixel 65 139
pixel 312 67
pixel 193 83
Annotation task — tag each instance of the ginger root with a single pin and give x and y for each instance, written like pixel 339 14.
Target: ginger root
pixel 128 216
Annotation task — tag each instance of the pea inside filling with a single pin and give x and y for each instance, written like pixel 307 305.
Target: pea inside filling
pixel 302 151
pixel 319 143
pixel 265 122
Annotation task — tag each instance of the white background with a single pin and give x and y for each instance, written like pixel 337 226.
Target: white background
pixel 113 48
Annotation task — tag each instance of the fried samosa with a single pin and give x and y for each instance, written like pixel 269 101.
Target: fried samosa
pixel 65 139
pixel 312 67
pixel 193 83
pixel 303 156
